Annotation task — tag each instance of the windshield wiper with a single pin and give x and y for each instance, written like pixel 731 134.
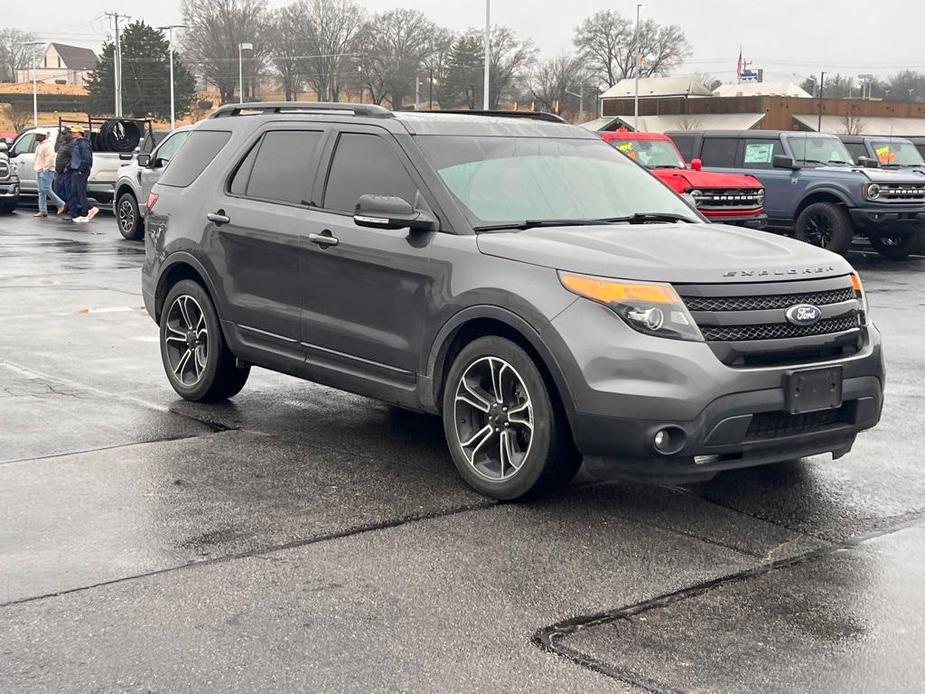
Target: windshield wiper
pixel 537 223
pixel 647 217
pixel 839 161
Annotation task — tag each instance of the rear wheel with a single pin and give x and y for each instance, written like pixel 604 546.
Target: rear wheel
pixel 896 246
pixel 131 225
pixel 196 359
pixel 505 433
pixel 827 225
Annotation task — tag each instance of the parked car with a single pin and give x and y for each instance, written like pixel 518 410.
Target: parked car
pixel 919 143
pixel 106 161
pixel 814 190
pixel 546 296
pixel 9 181
pixel 885 152
pixel 726 198
pixel 136 180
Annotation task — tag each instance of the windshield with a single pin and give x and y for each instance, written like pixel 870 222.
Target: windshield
pixel 501 180
pixel 819 150
pixel 897 153
pixel 653 154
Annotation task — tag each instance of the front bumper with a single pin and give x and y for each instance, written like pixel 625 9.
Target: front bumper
pixel 751 221
pixel 884 219
pixel 9 190
pixel 624 387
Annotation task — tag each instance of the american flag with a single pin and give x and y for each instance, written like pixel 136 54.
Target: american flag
pixel 740 65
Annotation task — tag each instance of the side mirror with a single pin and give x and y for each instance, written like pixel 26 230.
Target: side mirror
pixel 696 164
pixel 3 146
pixel 388 212
pixel 782 161
pixel 868 163
pixel 143 159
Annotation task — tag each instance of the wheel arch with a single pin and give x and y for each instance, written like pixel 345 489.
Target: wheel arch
pixel 815 195
pixel 480 321
pixel 181 266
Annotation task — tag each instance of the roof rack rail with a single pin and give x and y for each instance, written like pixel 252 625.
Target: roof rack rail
pixel 370 110
pixel 527 115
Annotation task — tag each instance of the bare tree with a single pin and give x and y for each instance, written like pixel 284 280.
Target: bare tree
pixel 436 64
pixel 608 43
pixel 329 30
pixel 852 123
pixel 551 80
pixel 216 28
pixel 15 52
pixel 509 59
pixel 396 46
pixel 285 46
pixel 19 114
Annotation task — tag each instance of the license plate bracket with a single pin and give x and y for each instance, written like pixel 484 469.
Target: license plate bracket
pixel 814 390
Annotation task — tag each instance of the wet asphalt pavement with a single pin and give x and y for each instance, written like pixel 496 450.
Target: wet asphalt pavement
pixel 302 539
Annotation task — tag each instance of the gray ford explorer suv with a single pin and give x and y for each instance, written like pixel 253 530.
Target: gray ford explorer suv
pixel 546 296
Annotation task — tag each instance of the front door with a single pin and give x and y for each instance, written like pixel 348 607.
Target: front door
pixel 258 226
pixel 160 157
pixel 23 154
pixel 757 159
pixel 365 297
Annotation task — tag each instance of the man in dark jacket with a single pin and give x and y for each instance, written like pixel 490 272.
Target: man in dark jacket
pixel 81 163
pixel 65 147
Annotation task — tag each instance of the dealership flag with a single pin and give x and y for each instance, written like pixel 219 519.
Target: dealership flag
pixel 739 65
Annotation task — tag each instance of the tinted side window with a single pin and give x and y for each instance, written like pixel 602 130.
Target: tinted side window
pixel 759 154
pixel 284 166
pixel 200 149
pixel 365 165
pixel 857 149
pixel 686 143
pixel 719 151
pixel 170 146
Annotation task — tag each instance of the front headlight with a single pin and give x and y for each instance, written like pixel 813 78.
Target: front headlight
pixel 861 297
pixel 872 191
pixel 760 196
pixel 652 308
pixel 696 196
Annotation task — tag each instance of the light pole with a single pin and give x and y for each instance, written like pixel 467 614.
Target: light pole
pixel 241 48
pixel 485 88
pixel 638 57
pixel 170 28
pixel 35 85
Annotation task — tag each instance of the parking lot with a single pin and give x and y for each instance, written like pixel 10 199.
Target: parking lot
pixel 301 538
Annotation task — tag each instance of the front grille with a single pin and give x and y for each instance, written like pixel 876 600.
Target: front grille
pixel 768 425
pixel 729 199
pixel 764 303
pixel 4 169
pixel 902 192
pixel 777 331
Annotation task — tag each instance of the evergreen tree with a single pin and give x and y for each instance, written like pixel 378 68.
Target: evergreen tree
pixel 145 76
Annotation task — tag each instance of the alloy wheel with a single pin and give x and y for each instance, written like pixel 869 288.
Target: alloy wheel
pixel 819 230
pixel 186 342
pixel 493 413
pixel 126 216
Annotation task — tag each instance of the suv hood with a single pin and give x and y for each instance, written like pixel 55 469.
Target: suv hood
pixel 679 253
pixel 707 179
pixel 876 175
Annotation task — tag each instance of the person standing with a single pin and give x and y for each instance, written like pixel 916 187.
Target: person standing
pixel 45 175
pixel 81 163
pixel 64 147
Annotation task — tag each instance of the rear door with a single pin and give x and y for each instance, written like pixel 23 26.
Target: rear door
pixel 364 300
pixel 259 227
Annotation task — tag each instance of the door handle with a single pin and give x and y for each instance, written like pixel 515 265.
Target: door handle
pixel 218 218
pixel 324 239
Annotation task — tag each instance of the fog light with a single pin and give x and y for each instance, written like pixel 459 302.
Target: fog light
pixel 669 440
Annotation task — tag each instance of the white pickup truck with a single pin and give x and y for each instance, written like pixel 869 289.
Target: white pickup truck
pixel 103 174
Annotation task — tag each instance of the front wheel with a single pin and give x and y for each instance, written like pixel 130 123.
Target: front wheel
pixel 8 207
pixel 826 225
pixel 131 225
pixel 897 246
pixel 196 359
pixel 507 437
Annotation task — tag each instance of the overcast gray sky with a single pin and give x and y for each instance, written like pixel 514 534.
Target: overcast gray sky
pixel 785 37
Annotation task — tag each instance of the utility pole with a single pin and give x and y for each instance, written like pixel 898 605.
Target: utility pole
pixel 485 89
pixel 637 56
pixel 117 67
pixel 241 48
pixel 169 29
pixel 35 84
pixel 821 85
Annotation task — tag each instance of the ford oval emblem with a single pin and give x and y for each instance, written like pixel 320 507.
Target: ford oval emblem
pixel 804 315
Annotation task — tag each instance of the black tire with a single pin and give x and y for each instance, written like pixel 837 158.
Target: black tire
pixel 547 457
pixel 827 225
pixel 898 246
pixel 8 207
pixel 131 225
pixel 214 377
